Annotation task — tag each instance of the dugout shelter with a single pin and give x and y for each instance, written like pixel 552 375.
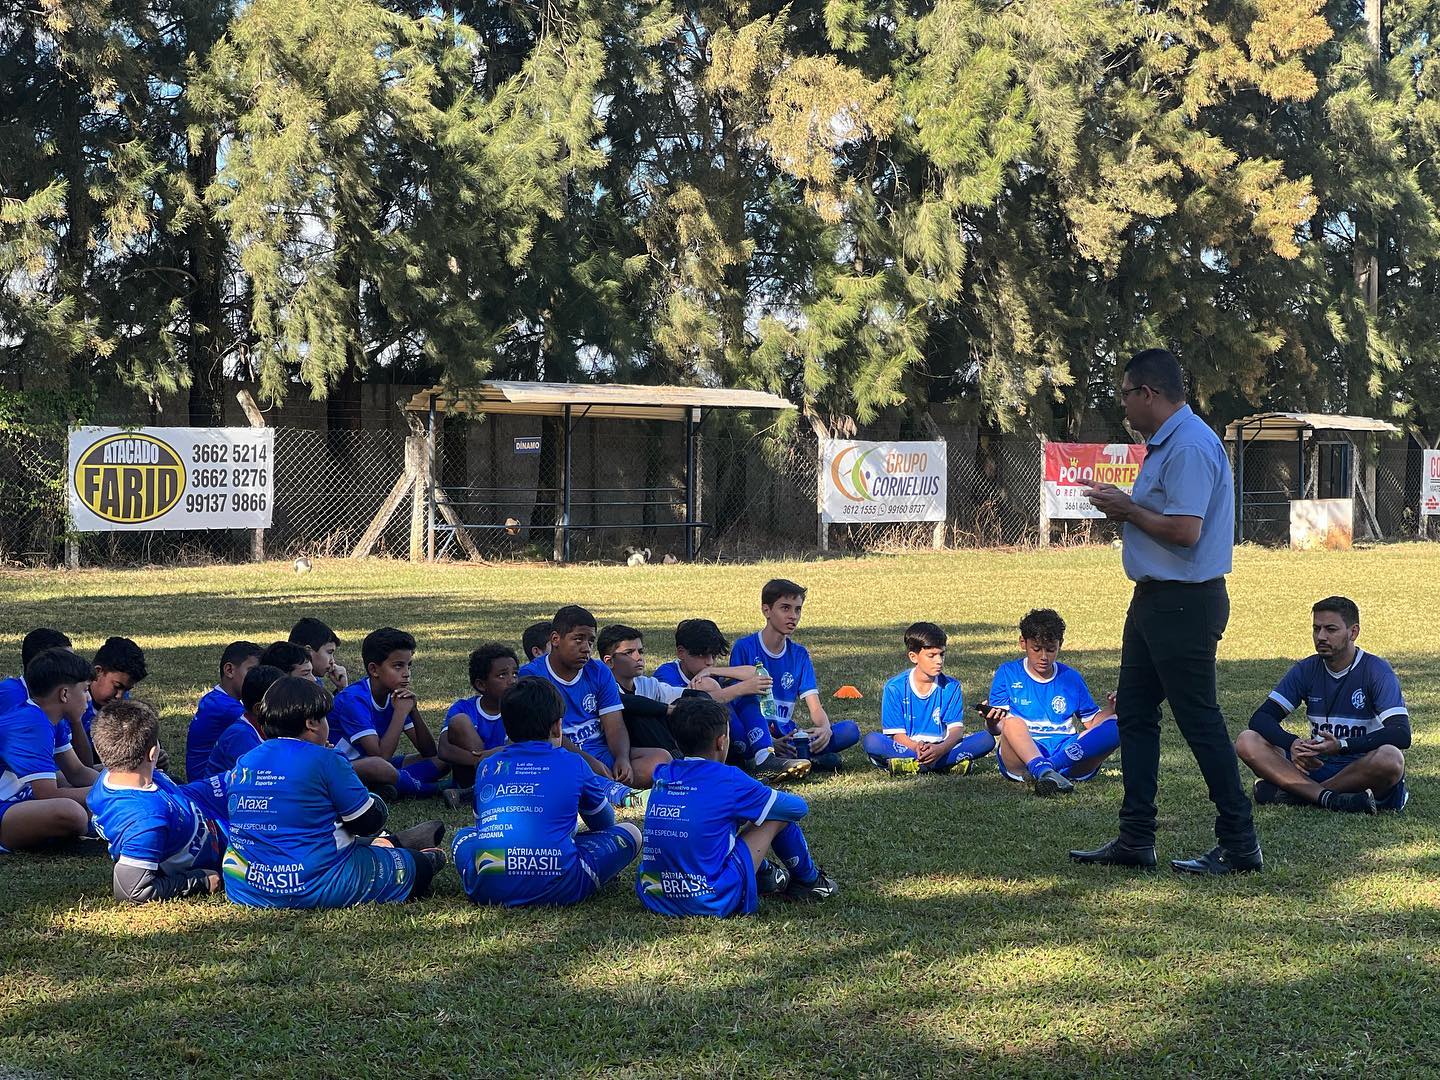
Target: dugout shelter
pixel 1287 457
pixel 438 519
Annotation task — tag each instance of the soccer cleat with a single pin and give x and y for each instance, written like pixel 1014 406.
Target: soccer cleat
pixel 829 761
pixel 1219 861
pixel 1117 853
pixel 775 770
pixel 427 834
pixel 1268 794
pixel 425 884
pixel 960 768
pixel 1350 802
pixel 458 798
pixel 822 888
pixel 772 878
pixel 903 766
pixel 1050 783
pixel 389 794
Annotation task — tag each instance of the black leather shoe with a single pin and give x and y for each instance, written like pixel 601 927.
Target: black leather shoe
pixel 1220 860
pixel 1117 853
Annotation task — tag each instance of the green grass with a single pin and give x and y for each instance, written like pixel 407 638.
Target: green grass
pixel 962 938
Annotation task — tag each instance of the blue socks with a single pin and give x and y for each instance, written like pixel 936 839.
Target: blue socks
pixel 975 745
pixel 1099 741
pixel 1037 765
pixel 792 850
pixel 419 779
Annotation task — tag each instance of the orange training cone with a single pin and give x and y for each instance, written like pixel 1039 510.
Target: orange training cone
pixel 848 692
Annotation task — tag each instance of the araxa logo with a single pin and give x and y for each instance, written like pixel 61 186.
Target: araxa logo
pixel 130 478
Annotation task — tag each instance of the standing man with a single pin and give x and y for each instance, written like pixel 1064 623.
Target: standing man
pixel 1178 529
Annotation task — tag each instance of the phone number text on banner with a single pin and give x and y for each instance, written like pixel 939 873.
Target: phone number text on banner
pixel 895 481
pixel 1072 467
pixel 147 479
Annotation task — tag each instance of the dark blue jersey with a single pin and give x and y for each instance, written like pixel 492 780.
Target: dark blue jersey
pixel 1345 703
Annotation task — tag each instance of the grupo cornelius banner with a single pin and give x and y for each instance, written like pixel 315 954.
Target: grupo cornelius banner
pixel 1072 467
pixel 891 481
pixel 144 479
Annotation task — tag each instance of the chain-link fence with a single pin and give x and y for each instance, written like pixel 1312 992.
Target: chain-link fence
pixel 498 486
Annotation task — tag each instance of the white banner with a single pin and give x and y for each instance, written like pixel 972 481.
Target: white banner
pixel 894 481
pixel 1430 484
pixel 146 479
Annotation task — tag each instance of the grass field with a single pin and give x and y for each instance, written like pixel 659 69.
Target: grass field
pixel 962 939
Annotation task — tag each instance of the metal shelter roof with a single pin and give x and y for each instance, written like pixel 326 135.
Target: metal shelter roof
pixel 1288 426
pixel 592 400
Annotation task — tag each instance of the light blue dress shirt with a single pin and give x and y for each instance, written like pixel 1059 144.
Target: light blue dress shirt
pixel 1185 473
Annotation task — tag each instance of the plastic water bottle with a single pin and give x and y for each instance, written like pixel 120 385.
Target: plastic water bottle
pixel 767 699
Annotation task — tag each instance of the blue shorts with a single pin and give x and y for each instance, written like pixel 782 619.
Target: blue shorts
pixel 1330 766
pixel 1048 747
pixel 599 855
pixel 368 875
pixel 734 891
pixel 6 804
pixel 601 754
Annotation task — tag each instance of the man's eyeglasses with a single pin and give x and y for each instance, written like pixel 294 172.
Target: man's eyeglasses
pixel 1126 391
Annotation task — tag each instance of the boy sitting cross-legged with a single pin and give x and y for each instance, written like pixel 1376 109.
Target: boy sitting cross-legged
pixel 523 848
pixel 372 713
pixel 219 708
pixel 922 714
pixel 34 809
pixel 473 729
pixel 166 840
pixel 1032 702
pixel 246 733
pixel 296 811
pixel 708 827
pixel 593 721
pixel 320 642
pixel 698 644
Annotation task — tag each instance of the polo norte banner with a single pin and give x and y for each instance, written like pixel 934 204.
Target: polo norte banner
pixel 890 481
pixel 144 479
pixel 1072 467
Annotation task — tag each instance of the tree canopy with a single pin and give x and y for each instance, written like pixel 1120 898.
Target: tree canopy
pixel 975 205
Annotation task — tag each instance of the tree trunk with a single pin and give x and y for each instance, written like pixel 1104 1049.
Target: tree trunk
pixel 205 352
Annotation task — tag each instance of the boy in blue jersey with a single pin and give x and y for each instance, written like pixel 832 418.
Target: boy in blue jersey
pixel 787 662
pixel 536 640
pixel 709 826
pixel 371 714
pixel 13 691
pixel 34 809
pixel 166 840
pixel 922 714
pixel 320 643
pixel 698 645
pixel 523 848
pixel 119 667
pixel 290 658
pixel 1033 702
pixel 473 729
pixel 220 707
pixel 1354 759
pixel 593 722
pixel 296 812
pixel 244 734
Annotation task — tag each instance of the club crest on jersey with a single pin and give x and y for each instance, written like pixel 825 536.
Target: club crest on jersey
pixel 1358 699
pixel 1058 705
pixel 935 715
pixel 590 704
pixel 787 681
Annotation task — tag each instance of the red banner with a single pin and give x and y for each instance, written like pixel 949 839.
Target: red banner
pixel 1072 467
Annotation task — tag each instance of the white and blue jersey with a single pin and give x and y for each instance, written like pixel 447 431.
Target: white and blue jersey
pixel 288 800
pixel 355 715
pixel 928 718
pixel 216 711
pixel 691 858
pixel 1346 703
pixel 590 695
pixel 490 728
pixel 234 742
pixel 790 669
pixel 27 750
pixel 522 849
pixel 163 827
pixel 1046 705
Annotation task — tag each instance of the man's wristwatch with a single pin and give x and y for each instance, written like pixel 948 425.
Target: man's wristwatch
pixel 1344 744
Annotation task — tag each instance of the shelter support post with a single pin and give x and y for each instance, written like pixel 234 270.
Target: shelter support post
pixel 693 419
pixel 1239 485
pixel 562 530
pixel 432 464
